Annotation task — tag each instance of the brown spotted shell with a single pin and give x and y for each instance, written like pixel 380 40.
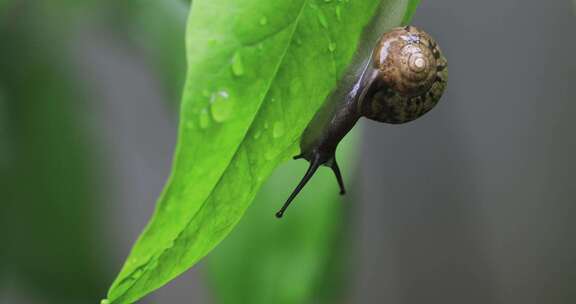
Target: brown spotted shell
pixel 410 75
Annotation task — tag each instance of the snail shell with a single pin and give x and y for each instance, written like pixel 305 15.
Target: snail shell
pixel 410 75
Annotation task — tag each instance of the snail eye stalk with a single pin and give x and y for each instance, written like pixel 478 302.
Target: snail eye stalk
pixel 314 164
pixel 336 170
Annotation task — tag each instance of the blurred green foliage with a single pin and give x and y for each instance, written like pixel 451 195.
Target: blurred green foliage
pixel 3 5
pixel 48 165
pixel 157 27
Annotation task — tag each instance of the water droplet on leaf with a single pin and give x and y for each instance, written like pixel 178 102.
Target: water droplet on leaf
pixel 237 64
pixel 263 21
pixel 322 19
pixel 220 106
pixel 278 129
pixel 332 47
pixel 338 13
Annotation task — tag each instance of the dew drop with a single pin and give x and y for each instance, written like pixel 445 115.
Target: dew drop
pixel 237 64
pixel 260 46
pixel 338 13
pixel 278 129
pixel 332 47
pixel 263 21
pixel 298 41
pixel 266 125
pixel 204 119
pixel 322 19
pixel 189 125
pixel 220 106
pixel 257 134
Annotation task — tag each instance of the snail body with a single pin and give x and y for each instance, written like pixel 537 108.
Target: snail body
pixel 403 79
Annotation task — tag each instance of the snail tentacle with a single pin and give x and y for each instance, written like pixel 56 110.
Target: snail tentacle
pixel 314 164
pixel 336 170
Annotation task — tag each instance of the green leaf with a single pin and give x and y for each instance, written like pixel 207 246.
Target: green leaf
pixel 3 5
pixel 286 262
pixel 301 260
pixel 257 73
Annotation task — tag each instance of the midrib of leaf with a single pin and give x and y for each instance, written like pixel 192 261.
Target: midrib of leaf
pixel 272 80
pixel 290 42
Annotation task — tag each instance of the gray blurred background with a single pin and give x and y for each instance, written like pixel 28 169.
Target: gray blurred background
pixel 474 203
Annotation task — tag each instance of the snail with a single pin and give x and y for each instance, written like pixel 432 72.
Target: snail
pixel 403 79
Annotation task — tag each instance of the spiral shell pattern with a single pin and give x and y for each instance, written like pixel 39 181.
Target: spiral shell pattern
pixel 411 75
